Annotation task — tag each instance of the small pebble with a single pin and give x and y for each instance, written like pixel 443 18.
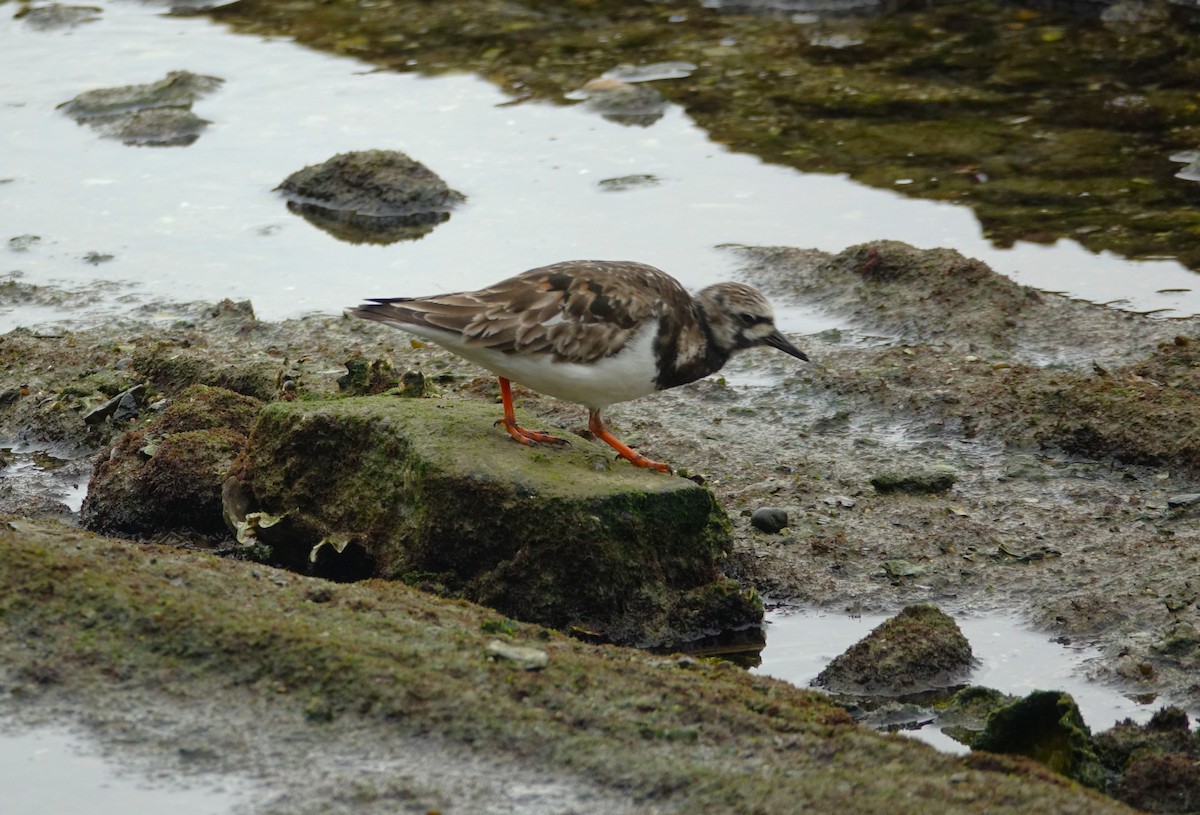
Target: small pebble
pixel 769 519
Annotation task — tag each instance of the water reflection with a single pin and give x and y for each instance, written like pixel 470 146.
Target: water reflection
pixel 204 224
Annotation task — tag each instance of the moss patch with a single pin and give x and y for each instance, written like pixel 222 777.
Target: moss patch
pixel 678 734
pixel 1046 726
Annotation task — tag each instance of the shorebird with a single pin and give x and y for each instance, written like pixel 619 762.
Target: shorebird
pixel 594 332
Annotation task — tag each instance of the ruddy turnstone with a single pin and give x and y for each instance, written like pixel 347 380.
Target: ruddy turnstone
pixel 590 331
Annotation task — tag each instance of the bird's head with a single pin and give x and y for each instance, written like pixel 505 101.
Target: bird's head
pixel 740 317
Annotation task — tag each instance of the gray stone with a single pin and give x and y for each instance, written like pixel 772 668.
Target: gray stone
pixel 769 519
pixel 370 196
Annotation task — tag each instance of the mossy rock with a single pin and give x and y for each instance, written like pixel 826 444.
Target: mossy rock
pixel 1167 733
pixel 1161 783
pixel 201 407
pixel 428 491
pixel 142 487
pixel 167 475
pixel 1048 727
pixel 93 620
pixel 1156 765
pixel 371 196
pixel 919 649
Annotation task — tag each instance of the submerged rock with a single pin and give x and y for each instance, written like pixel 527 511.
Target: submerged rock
pixel 624 103
pixel 157 127
pixel 370 196
pixel 57 15
pixel 629 182
pixel 155 114
pixel 966 714
pixel 919 649
pixel 428 491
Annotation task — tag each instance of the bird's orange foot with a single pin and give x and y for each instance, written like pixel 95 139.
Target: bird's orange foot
pixel 638 460
pixel 596 425
pixel 529 436
pixel 515 430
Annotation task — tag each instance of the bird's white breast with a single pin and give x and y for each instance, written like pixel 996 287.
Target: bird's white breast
pixel 628 374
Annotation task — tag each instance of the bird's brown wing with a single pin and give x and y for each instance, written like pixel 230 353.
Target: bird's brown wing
pixel 576 311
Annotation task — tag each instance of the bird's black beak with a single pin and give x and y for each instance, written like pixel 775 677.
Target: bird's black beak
pixel 777 340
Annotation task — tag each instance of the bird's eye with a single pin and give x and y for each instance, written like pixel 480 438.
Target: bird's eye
pixel 747 319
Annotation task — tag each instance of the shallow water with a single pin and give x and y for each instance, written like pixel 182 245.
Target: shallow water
pixel 202 222
pixel 1011 658
pixel 44 472
pixel 50 770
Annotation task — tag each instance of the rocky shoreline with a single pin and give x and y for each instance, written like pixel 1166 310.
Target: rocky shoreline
pixel 1063 498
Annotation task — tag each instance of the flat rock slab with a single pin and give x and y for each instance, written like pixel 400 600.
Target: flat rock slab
pixel 428 491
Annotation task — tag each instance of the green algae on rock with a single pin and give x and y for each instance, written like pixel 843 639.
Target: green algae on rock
pixel 1048 727
pixel 170 366
pixel 426 490
pixel 914 482
pixel 919 649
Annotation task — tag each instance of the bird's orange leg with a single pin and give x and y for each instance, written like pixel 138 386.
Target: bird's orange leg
pixel 515 430
pixel 596 425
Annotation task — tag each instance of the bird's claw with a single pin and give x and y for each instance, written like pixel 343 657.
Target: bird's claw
pixel 529 436
pixel 647 463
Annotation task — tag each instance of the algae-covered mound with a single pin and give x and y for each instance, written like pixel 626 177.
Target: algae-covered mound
pixel 1158 763
pixel 1046 726
pixel 372 196
pixel 428 491
pixel 167 474
pixel 85 621
pixel 919 649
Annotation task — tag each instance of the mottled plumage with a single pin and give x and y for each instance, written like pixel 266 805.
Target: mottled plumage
pixel 592 332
